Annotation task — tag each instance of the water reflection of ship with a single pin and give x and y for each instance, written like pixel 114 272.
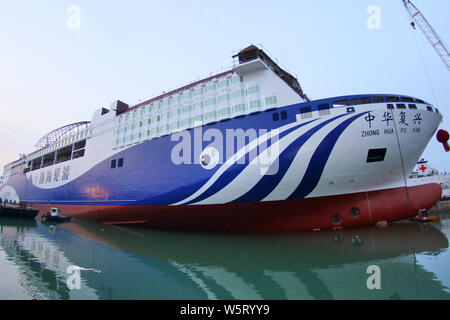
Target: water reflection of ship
pixel 148 264
pixel 41 264
pixel 38 282
pixel 295 266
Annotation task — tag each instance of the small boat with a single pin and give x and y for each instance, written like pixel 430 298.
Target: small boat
pixel 55 216
pixel 423 217
pixel 20 211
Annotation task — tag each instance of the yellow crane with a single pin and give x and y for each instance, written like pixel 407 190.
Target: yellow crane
pixel 432 36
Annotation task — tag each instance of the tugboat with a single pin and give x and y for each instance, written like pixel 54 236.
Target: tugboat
pixel 55 216
pixel 423 216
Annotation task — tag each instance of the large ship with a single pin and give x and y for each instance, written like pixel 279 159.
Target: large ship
pixel 244 150
pixel 425 173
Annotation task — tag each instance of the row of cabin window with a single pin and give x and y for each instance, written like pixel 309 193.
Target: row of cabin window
pixel 195 92
pixel 166 129
pixel 65 142
pixel 64 154
pixel 322 108
pixel 375 99
pixel 207 102
pixel 207 116
pixel 410 106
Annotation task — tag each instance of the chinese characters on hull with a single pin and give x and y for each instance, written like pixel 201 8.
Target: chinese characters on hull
pixel 45 177
pixel 388 121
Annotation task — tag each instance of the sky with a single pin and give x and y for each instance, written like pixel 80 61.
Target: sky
pixel 62 60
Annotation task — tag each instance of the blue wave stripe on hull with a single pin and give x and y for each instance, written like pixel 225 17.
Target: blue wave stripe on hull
pixel 319 160
pixel 269 182
pixel 234 170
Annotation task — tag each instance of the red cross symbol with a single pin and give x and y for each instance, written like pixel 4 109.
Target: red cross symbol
pixel 422 168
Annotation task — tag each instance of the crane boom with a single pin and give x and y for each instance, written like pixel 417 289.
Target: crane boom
pixel 429 32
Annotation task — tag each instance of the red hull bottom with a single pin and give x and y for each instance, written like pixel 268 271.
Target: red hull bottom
pixel 277 216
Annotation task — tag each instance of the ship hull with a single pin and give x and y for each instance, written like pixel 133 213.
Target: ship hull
pixel 275 216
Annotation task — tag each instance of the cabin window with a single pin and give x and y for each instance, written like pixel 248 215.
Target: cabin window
pixel 237 80
pixel 283 115
pixel 224 97
pixel 341 103
pixel 412 106
pixel 210 102
pixel 186 95
pixel 355 101
pixel 392 99
pixel 401 106
pixel 186 109
pixel 211 115
pixel 198 118
pixel 306 112
pixel 271 101
pixel 237 94
pixel 198 92
pixel 64 154
pixel 378 99
pixel 275 116
pixel 324 109
pixel 429 108
pixel 197 105
pixel 120 163
pixel 390 106
pixel 186 122
pixel 48 160
pixel 253 90
pixel 36 163
pixel 365 100
pixel 239 107
pixel 406 99
pixel 210 87
pixel 223 84
pixel 78 154
pixel 175 125
pixel 254 104
pixel 81 144
pixel 224 111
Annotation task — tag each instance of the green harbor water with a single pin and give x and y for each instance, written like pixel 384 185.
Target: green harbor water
pixel 84 260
